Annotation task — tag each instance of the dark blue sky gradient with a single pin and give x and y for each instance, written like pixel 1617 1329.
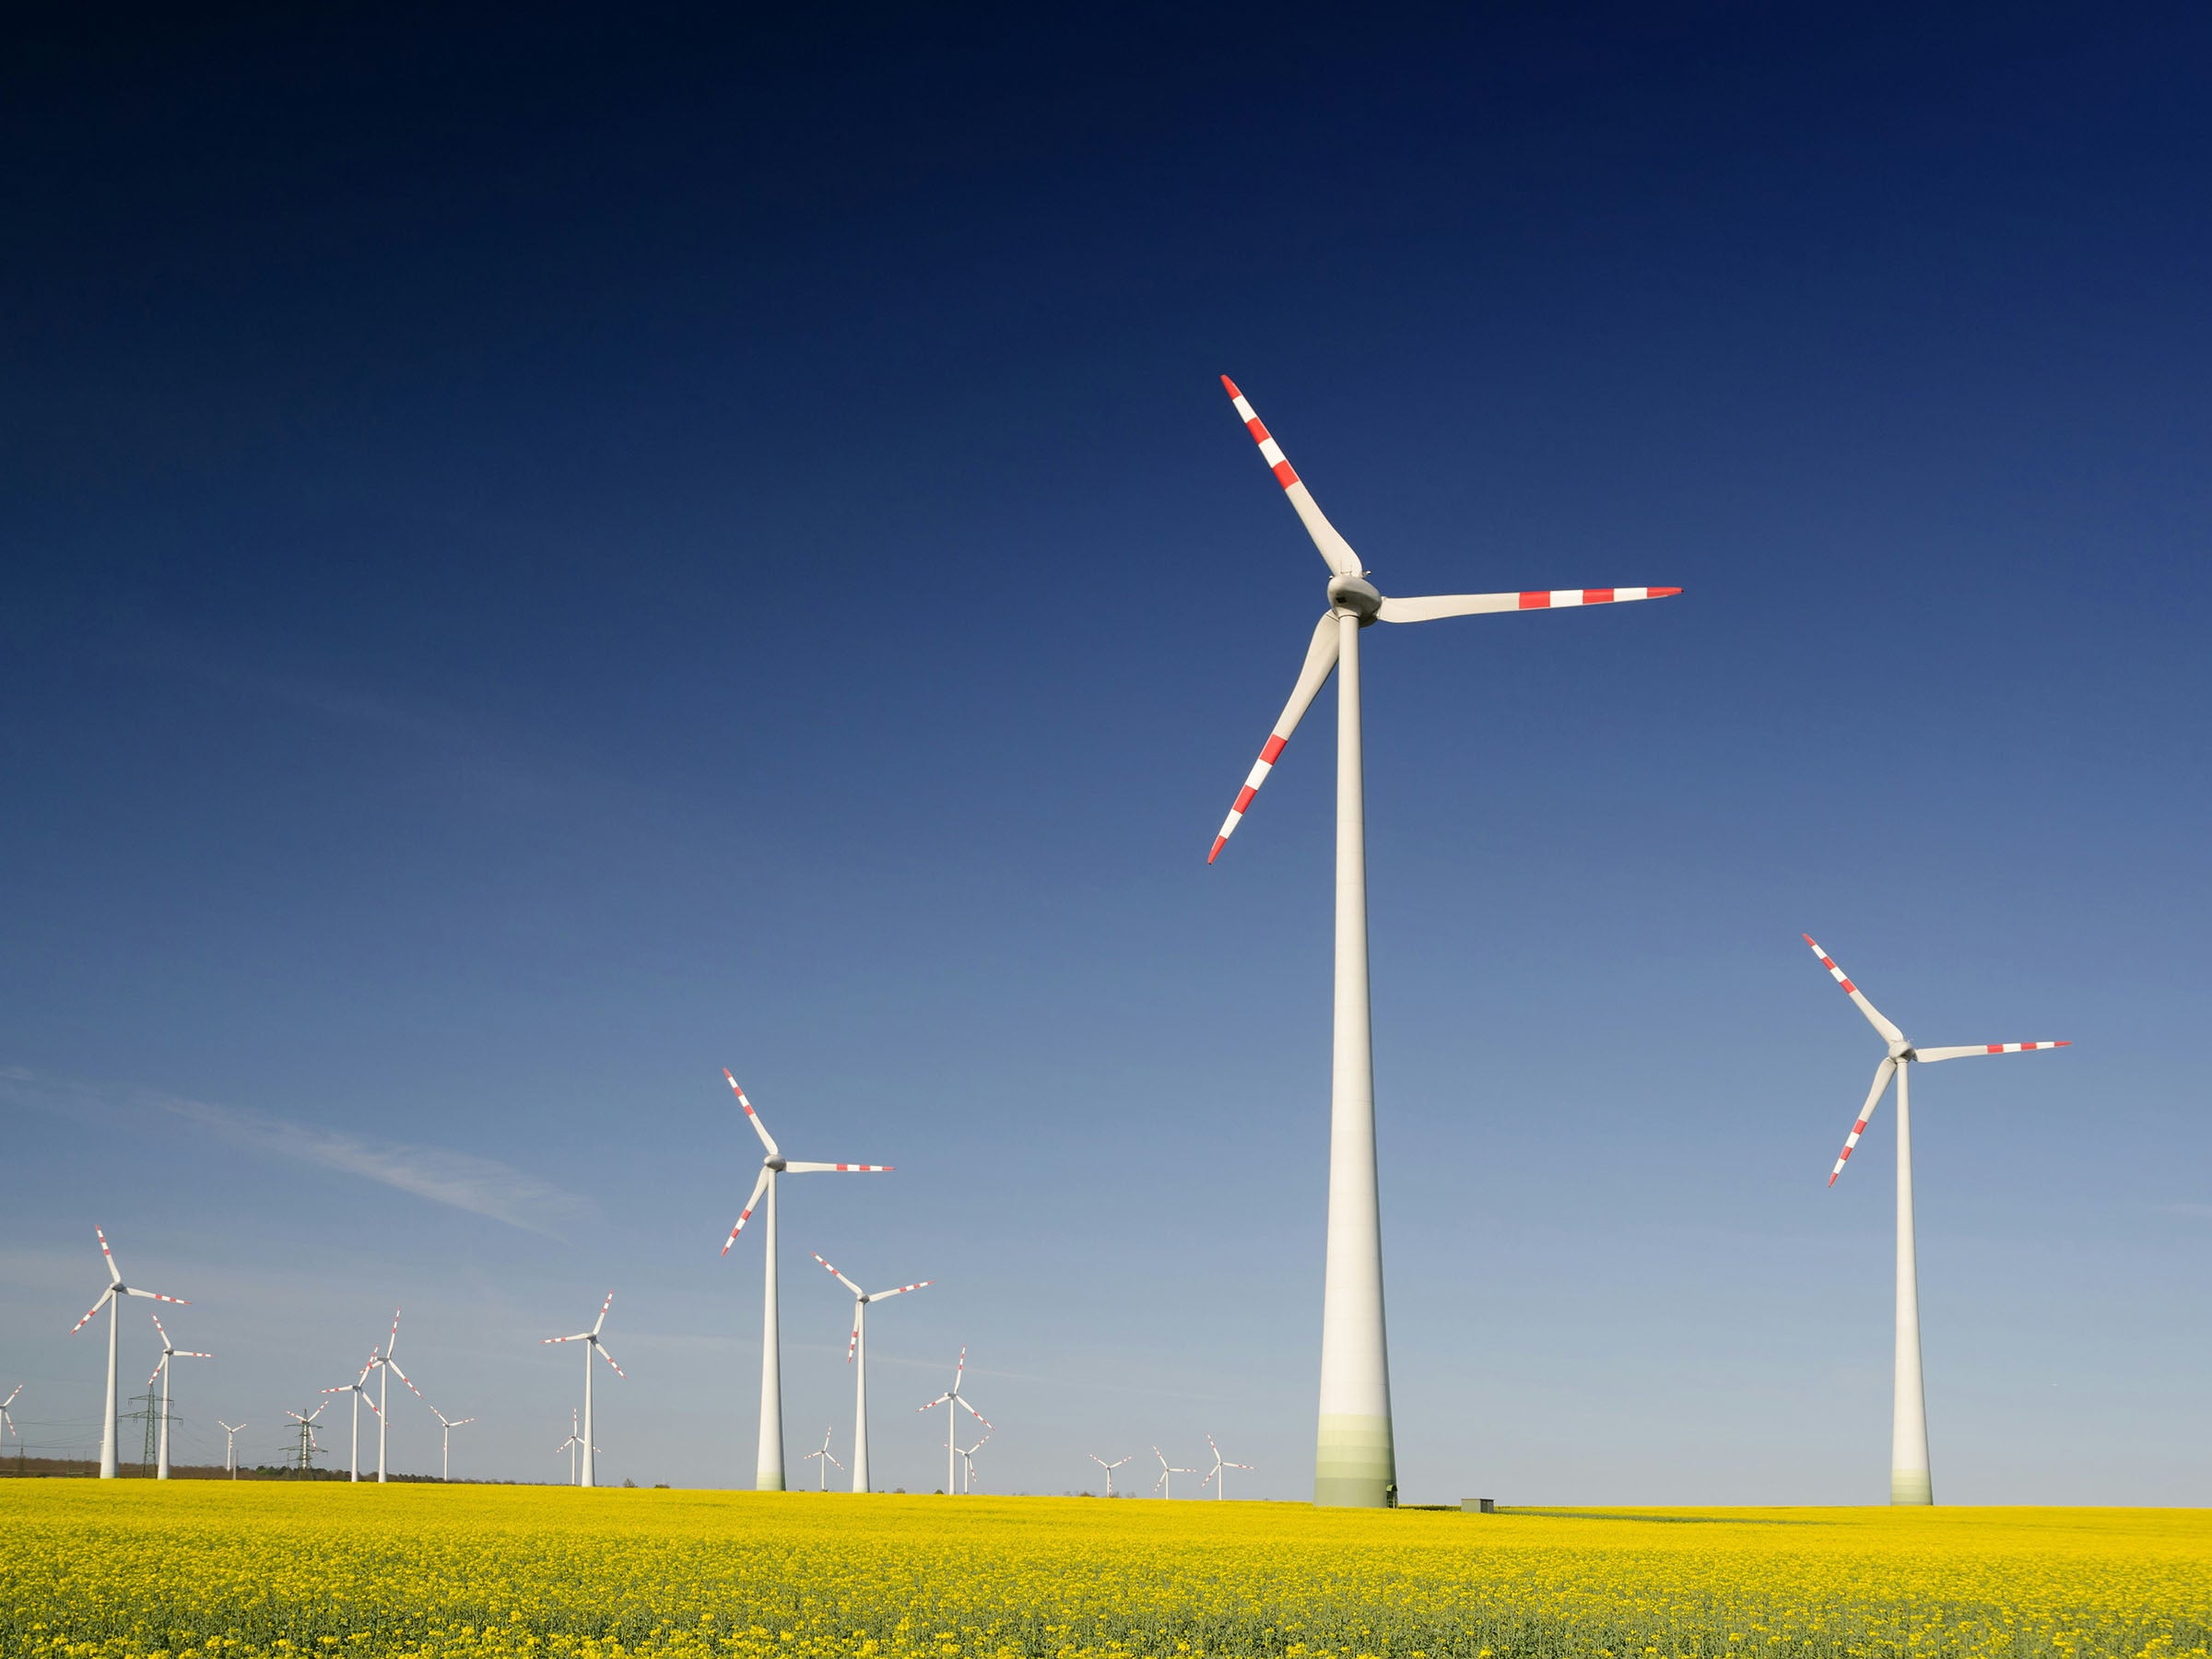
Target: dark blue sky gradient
pixel 545 557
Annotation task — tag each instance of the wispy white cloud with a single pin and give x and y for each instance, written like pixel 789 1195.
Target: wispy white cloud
pixel 483 1186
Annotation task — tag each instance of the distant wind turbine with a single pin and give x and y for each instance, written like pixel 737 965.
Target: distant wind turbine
pixel 1214 1474
pixel 384 1362
pixel 1910 1481
pixel 8 1423
pixel 826 1458
pixel 169 1350
pixel 571 1444
pixel 1109 1467
pixel 769 1471
pixel 445 1454
pixel 948 1399
pixel 968 1464
pixel 856 1355
pixel 230 1445
pixel 1165 1485
pixel 116 1290
pixel 358 1389
pixel 591 1344
pixel 1355 1461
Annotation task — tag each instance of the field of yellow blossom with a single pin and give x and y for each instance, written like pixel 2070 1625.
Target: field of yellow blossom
pixel 205 1570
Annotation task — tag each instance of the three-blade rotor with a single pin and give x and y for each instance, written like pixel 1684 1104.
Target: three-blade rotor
pixel 861 1299
pixel 117 1287
pixel 775 1163
pixel 953 1397
pixel 1350 596
pixel 592 1336
pixel 1902 1053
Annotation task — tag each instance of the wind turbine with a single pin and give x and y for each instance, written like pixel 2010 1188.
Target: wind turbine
pixel 948 1399
pixel 591 1344
pixel 968 1464
pixel 1909 1478
pixel 169 1350
pixel 856 1355
pixel 308 1444
pixel 768 1475
pixel 569 1445
pixel 358 1389
pixel 1109 1467
pixel 116 1289
pixel 8 1423
pixel 446 1455
pixel 230 1445
pixel 1220 1463
pixel 1165 1485
pixel 384 1362
pixel 827 1457
pixel 1356 1460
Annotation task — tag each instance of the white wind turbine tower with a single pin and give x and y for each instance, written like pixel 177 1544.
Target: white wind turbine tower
pixel 768 1475
pixel 384 1362
pixel 827 1457
pixel 591 1344
pixel 1214 1474
pixel 948 1399
pixel 116 1290
pixel 358 1389
pixel 169 1350
pixel 1355 1461
pixel 1165 1485
pixel 968 1464
pixel 569 1445
pixel 231 1431
pixel 1909 1478
pixel 1109 1467
pixel 856 1355
pixel 445 1454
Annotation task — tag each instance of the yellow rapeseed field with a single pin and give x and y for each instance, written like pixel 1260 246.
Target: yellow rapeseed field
pixel 213 1570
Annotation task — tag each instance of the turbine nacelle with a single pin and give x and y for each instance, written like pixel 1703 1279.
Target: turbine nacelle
pixel 1356 595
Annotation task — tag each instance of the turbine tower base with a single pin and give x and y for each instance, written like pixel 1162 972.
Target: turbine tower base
pixel 1911 1485
pixel 1355 1465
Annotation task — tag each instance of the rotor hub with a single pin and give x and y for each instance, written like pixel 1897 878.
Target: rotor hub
pixel 1356 595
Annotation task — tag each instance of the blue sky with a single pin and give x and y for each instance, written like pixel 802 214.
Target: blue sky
pixel 545 561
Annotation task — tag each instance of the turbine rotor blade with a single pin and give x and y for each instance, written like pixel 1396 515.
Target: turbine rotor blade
pixel 1873 1015
pixel 150 1295
pixel 600 1348
pixel 404 1378
pixel 1321 661
pixel 1335 552
pixel 105 1297
pixel 1433 606
pixel 847 1168
pixel 1988 1048
pixel 1882 1074
pixel 753 1117
pixel 114 1273
pixel 902 1291
pixel 596 1323
pixel 842 1279
pixel 853 1342
pixel 746 1215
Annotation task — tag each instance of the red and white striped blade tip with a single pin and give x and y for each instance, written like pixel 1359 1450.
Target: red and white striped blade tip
pixel 1567 598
